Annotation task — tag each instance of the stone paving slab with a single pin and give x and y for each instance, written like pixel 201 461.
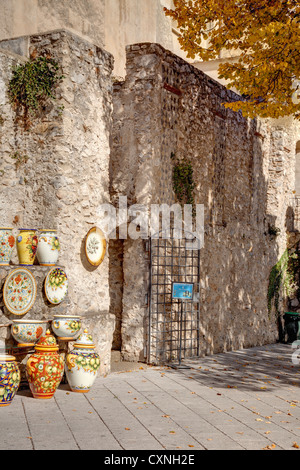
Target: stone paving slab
pixel 242 400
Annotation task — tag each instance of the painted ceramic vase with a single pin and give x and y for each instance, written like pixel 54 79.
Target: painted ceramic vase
pixel 66 327
pixel 28 332
pixel 45 368
pixel 48 248
pixel 82 364
pixel 27 242
pixel 7 241
pixel 9 379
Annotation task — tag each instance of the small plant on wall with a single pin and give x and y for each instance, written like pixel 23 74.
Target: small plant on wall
pixel 32 86
pixel 283 279
pixel 183 181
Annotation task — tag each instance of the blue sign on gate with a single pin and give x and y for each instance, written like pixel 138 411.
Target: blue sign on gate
pixel 182 291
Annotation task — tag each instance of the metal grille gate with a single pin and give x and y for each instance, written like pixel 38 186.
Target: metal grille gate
pixel 173 324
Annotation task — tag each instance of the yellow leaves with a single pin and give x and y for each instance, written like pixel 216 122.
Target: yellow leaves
pixel 270 447
pixel 266 34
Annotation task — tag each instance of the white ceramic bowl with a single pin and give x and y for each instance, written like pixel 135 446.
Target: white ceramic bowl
pixel 28 332
pixel 66 327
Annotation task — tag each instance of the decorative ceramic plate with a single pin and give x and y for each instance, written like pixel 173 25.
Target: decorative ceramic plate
pixel 56 285
pixel 19 291
pixel 95 246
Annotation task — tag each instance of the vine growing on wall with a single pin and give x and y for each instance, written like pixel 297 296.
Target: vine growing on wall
pixel 183 181
pixel 282 279
pixel 32 86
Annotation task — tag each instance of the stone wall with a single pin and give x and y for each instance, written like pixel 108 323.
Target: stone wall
pixel 244 176
pixel 66 175
pixel 111 24
pixel 29 17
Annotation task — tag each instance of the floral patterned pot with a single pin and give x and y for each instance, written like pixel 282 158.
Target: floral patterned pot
pixel 82 364
pixel 7 241
pixel 56 285
pixel 9 379
pixel 48 248
pixel 28 332
pixel 45 368
pixel 27 242
pixel 66 327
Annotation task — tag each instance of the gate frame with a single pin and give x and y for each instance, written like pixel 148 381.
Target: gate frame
pixel 158 237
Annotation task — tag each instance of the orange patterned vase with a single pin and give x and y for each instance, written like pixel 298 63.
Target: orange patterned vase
pixel 45 368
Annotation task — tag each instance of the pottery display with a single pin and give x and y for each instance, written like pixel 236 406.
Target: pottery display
pixel 9 379
pixel 95 246
pixel 28 332
pixel 48 248
pixel 66 327
pixel 7 241
pixel 19 291
pixel 45 368
pixel 27 242
pixel 82 364
pixel 56 285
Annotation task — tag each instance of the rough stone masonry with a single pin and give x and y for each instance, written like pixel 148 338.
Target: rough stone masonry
pixel 66 175
pixel 113 140
pixel 244 172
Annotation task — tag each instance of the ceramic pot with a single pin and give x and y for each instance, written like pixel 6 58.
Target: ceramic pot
pixel 7 241
pixel 27 242
pixel 82 364
pixel 45 368
pixel 66 327
pixel 9 379
pixel 48 248
pixel 28 332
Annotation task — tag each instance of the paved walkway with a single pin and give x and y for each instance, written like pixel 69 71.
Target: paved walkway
pixel 244 400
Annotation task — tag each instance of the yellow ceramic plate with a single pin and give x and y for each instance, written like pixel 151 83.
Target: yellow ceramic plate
pixel 56 285
pixel 95 246
pixel 19 291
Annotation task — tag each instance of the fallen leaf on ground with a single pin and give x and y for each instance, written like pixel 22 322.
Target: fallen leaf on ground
pixel 271 447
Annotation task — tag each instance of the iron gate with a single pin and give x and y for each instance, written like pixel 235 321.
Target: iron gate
pixel 173 324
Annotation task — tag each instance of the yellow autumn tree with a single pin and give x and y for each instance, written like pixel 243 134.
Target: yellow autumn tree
pixel 265 37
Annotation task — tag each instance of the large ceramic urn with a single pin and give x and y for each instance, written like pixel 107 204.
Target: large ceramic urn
pixel 9 379
pixel 82 364
pixel 45 368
